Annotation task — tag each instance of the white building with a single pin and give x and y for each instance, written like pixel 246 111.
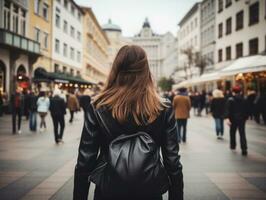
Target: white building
pixel 241 30
pixel 207 23
pixel 169 52
pixel 159 49
pixel 188 38
pixel 67 37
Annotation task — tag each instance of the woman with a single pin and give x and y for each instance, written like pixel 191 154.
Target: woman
pixel 43 104
pixel 129 108
pixel 218 111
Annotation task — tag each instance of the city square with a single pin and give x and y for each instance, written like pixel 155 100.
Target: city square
pixel 188 75
pixel 33 167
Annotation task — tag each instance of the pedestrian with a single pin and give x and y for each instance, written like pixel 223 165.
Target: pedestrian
pixel 237 114
pixel 262 106
pixel 1 103
pixel 85 99
pixel 17 108
pixel 128 128
pixel 218 111
pixel 208 102
pixel 251 96
pixel 32 103
pixel 43 104
pixel 58 111
pixel 181 106
pixel 73 105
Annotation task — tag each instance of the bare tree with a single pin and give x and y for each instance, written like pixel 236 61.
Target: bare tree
pixel 202 62
pixel 190 57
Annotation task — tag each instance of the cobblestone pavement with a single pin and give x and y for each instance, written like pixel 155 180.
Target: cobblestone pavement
pixel 33 167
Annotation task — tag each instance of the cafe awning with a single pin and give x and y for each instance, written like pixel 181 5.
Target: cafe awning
pixel 245 65
pixel 206 78
pixel 59 77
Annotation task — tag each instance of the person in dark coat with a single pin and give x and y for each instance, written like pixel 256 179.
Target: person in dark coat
pixel 32 107
pixel 58 111
pixel 218 110
pixel 237 114
pixel 251 105
pixel 17 107
pixel 119 111
pixel 85 99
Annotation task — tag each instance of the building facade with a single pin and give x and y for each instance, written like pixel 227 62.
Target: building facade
pixel 241 30
pixel 18 52
pixel 207 36
pixel 169 52
pixel 40 30
pixel 151 43
pixel 67 40
pixel 188 41
pixel 116 39
pixel 95 49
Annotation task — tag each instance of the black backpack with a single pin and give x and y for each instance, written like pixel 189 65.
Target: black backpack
pixel 132 166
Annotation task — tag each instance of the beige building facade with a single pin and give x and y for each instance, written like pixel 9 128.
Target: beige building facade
pixel 40 30
pixel 95 49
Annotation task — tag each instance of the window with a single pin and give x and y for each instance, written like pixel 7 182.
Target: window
pixel 72 53
pixel 254 13
pixel 228 26
pixel 79 16
pixel 45 40
pixel 65 26
pixel 57 20
pixel 45 9
pixel 196 22
pixel 64 69
pixel 78 73
pixel 59 1
pixel 57 46
pixel 37 4
pixel 79 36
pixel 253 46
pixel 228 53
pixel 220 34
pixel 239 50
pixel 66 4
pixel 220 55
pixel 7 15
pixel 240 20
pixel 72 10
pixel 37 34
pixel 228 3
pixel 78 56
pixel 65 50
pixel 56 68
pixel 72 31
pixel 220 5
pixel 72 72
pixel 23 26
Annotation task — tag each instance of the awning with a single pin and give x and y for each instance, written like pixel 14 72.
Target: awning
pixel 41 75
pixel 245 65
pixel 206 78
pixel 181 84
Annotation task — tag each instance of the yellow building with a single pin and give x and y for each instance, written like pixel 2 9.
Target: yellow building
pixel 95 49
pixel 40 30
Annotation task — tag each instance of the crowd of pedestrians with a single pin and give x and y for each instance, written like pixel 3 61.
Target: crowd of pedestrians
pixel 230 106
pixel 36 105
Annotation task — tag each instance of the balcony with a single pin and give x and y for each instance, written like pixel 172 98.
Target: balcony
pixel 19 42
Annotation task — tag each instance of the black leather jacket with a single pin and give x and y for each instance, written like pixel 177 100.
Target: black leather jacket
pixel 94 138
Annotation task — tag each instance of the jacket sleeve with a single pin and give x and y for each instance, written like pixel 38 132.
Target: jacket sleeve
pixel 87 155
pixel 171 159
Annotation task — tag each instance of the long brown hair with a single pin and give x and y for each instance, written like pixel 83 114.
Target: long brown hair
pixel 130 90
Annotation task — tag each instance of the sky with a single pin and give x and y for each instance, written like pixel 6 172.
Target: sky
pixel 163 15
